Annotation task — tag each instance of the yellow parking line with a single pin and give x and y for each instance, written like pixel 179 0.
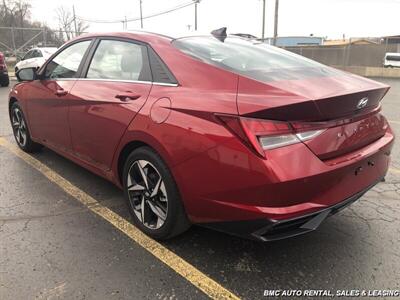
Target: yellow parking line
pixel 200 280
pixel 395 122
pixel 394 170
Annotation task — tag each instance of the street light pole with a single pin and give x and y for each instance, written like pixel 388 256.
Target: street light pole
pixel 141 15
pixel 263 21
pixel 195 13
pixel 276 21
pixel 74 15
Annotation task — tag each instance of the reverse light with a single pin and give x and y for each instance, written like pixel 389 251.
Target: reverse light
pixel 261 135
pixel 272 142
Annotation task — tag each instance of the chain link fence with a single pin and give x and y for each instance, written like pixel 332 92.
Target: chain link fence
pixel 16 41
pixel 365 58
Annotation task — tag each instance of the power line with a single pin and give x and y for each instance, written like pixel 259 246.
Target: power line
pixel 137 19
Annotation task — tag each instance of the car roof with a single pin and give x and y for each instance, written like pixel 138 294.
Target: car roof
pixel 146 36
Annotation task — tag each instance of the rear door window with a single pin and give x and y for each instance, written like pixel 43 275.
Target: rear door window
pixel 120 60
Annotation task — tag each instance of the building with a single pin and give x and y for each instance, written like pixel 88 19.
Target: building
pixel 351 41
pixel 291 41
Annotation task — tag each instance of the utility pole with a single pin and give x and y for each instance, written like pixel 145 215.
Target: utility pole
pixel 263 21
pixel 276 21
pixel 141 15
pixel 74 15
pixel 195 13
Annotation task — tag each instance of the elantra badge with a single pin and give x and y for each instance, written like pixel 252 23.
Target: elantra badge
pixel 362 103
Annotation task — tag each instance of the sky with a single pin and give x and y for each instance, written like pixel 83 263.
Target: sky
pixel 325 18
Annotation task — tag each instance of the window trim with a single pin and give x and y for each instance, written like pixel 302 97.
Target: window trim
pixel 96 42
pixel 128 81
pixel 88 56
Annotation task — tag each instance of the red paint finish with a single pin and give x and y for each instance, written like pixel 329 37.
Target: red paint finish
pixel 98 119
pixel 47 110
pixel 220 177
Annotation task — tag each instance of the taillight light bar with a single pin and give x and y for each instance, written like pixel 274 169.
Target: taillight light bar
pixel 260 135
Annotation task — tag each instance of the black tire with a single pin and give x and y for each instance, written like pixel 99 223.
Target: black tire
pixel 5 83
pixel 26 144
pixel 175 222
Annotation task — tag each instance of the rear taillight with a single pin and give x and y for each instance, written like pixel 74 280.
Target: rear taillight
pixel 261 135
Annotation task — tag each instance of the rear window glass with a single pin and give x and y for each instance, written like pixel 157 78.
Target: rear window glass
pixel 255 60
pixel 393 57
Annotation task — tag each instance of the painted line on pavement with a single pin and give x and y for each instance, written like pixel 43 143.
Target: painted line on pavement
pixel 395 122
pixel 200 280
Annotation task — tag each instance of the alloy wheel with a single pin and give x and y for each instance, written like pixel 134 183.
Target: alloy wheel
pixel 147 194
pixel 19 127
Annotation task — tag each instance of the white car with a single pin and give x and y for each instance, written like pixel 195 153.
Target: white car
pixel 35 58
pixel 392 60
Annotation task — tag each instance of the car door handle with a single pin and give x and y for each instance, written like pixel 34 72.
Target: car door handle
pixel 126 96
pixel 60 93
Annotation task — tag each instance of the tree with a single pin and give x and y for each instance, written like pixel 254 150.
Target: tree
pixel 67 25
pixel 21 33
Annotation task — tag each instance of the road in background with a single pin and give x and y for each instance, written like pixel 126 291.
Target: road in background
pixel 53 246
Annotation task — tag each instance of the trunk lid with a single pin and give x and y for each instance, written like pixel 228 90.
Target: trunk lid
pixel 309 99
pixel 345 105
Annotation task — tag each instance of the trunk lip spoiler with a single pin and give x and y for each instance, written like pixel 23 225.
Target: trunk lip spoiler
pixel 361 114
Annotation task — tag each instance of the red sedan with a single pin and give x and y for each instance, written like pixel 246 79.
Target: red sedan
pixel 214 130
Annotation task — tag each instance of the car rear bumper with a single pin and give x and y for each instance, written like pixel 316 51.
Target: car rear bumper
pixel 267 230
pixel 260 197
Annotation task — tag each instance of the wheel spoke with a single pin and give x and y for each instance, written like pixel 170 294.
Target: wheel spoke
pixel 140 165
pixel 136 187
pixel 19 136
pixel 23 124
pixel 15 123
pixel 156 188
pixel 157 211
pixel 163 197
pixel 18 114
pixel 132 185
pixel 142 210
pixel 23 136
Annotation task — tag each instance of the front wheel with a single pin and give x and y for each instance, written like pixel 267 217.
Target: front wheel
pixel 152 195
pixel 20 129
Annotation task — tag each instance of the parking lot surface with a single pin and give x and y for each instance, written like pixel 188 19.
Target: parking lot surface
pixel 53 246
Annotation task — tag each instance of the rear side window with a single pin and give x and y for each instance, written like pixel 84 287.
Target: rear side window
pixel 160 71
pixel 393 57
pixel 36 53
pixel 66 63
pixel 28 55
pixel 119 60
pixel 255 60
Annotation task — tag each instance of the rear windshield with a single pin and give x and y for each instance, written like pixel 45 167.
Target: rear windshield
pixel 255 60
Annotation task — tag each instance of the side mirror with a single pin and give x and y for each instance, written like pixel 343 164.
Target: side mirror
pixel 27 74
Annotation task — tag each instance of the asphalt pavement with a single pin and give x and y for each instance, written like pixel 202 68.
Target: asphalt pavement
pixel 53 246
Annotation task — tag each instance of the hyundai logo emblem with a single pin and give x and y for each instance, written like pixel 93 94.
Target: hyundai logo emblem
pixel 362 103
